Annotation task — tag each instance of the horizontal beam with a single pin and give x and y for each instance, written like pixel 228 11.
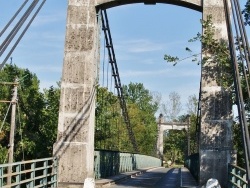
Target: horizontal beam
pixel 173 126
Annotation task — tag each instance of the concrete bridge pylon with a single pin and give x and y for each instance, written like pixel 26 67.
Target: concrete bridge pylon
pixel 75 140
pixel 166 126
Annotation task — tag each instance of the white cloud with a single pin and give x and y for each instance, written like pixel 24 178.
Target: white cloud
pixel 54 17
pixel 139 46
pixel 46 84
pixel 171 72
pixel 46 69
pixel 146 45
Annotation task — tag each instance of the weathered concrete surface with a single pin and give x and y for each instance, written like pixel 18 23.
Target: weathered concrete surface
pixel 75 141
pixel 216 107
pixel 162 127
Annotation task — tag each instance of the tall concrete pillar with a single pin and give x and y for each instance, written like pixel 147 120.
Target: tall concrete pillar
pixel 215 147
pixel 75 140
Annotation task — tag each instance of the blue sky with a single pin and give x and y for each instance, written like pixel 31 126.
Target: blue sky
pixel 141 34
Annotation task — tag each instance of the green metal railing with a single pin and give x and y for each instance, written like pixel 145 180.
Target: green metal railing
pixel 236 177
pixel 43 172
pixel 110 163
pixel 29 174
pixel 192 163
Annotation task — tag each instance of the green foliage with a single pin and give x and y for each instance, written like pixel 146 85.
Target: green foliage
pixel 246 13
pixel 3 154
pixel 37 117
pixel 109 124
pixel 171 59
pixel 174 146
pixel 111 132
pixel 36 120
pixel 175 142
pixel 238 145
pixel 217 52
pixel 50 118
pixel 142 108
pixel 213 50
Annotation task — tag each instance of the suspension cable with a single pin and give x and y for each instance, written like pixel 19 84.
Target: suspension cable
pixel 22 34
pixel 243 29
pixel 115 74
pixel 239 39
pixel 13 18
pixel 103 62
pixel 238 91
pixel 5 117
pixel 17 27
pixel 198 119
pixel 107 81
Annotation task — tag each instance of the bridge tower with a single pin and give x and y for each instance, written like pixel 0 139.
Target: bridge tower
pixel 215 147
pixel 75 140
pixel 166 126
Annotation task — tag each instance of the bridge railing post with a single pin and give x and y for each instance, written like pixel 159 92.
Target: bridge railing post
pixel 18 177
pixel 236 177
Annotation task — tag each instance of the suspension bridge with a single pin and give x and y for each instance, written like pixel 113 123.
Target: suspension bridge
pixel 76 163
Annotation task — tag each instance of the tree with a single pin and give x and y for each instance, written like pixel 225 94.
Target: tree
pixel 142 107
pixel 214 50
pixel 37 116
pixel 172 107
pixel 175 141
pixel 174 146
pixel 246 13
pixel 30 104
pixel 49 124
pixel 110 130
pixel 192 104
pixel 218 51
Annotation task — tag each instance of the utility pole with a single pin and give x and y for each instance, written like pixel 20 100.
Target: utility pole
pixel 12 130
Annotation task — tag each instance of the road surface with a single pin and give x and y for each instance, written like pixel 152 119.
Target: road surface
pixel 155 178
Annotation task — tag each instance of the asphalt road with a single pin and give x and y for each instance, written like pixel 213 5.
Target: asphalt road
pixel 155 178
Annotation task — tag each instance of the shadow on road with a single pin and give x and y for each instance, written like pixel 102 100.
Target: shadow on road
pixel 156 178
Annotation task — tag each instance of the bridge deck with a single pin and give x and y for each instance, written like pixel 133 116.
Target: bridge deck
pixel 183 178
pixel 123 176
pixel 187 180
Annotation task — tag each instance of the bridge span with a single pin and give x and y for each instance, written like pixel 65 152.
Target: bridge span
pixel 73 162
pixel 155 178
pixel 82 52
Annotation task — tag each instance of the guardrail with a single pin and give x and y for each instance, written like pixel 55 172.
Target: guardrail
pixel 192 163
pixel 236 177
pixel 29 174
pixel 43 172
pixel 110 163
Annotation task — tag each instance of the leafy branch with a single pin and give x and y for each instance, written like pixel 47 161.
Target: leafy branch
pixel 213 50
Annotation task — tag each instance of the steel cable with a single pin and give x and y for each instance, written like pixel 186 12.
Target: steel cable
pixel 22 34
pixel 17 27
pixel 239 38
pixel 240 21
pixel 115 73
pixel 238 90
pixel 13 18
pixel 5 118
